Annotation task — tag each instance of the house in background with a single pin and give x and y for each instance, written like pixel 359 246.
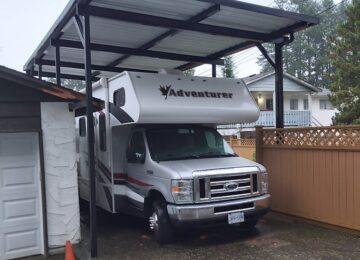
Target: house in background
pixel 304 104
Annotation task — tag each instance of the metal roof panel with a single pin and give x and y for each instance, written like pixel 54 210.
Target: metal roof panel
pixel 183 9
pixel 212 38
pixel 193 43
pixel 245 20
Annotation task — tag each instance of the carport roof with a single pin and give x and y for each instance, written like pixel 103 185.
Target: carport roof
pixel 151 34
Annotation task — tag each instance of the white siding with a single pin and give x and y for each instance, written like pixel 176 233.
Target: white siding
pixel 322 116
pixel 268 84
pixel 63 217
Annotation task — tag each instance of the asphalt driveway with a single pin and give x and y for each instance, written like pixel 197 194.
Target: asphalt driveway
pixel 276 237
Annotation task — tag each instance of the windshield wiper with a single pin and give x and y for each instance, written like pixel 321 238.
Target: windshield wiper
pixel 187 157
pixel 198 156
pixel 214 155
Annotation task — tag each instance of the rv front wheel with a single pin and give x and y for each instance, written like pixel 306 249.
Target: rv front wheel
pixel 249 224
pixel 160 223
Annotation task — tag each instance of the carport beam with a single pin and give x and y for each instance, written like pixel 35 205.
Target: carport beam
pixel 90 128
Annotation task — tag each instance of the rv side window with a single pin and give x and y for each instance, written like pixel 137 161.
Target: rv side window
pixel 82 127
pixel 102 132
pixel 136 150
pixel 119 97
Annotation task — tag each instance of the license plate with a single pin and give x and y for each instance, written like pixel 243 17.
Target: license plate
pixel 236 217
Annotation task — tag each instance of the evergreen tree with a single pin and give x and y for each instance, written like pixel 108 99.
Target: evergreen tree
pixel 228 68
pixel 73 84
pixel 189 72
pixel 345 56
pixel 307 58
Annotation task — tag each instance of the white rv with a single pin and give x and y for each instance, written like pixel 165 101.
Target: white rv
pixel 159 156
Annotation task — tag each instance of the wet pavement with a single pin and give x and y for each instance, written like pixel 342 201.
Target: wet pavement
pixel 276 237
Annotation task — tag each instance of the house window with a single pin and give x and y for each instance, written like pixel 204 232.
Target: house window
pixel 82 127
pixel 102 132
pixel 294 104
pixel 269 104
pixel 325 104
pixel 306 104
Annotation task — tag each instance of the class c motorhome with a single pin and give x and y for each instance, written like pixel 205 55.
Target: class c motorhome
pixel 159 156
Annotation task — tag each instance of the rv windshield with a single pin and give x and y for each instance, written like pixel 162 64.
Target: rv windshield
pixel 181 143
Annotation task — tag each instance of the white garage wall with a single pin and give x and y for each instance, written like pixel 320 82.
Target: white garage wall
pixel 63 217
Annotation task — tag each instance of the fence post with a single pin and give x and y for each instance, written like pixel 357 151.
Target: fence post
pixel 258 142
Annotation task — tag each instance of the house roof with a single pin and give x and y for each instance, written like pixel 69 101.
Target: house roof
pixel 323 92
pixel 257 77
pixel 148 35
pixel 48 88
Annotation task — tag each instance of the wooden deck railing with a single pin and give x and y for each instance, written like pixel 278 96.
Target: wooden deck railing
pixel 267 119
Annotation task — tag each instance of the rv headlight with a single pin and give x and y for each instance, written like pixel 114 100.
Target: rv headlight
pixel 182 191
pixel 264 182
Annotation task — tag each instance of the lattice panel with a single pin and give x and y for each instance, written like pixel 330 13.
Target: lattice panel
pixel 243 142
pixel 321 137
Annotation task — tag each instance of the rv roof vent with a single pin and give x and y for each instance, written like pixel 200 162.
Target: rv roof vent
pixel 171 72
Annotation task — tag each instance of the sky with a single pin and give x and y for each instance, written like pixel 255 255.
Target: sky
pixel 24 23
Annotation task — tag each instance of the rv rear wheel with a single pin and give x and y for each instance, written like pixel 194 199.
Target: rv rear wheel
pixel 159 222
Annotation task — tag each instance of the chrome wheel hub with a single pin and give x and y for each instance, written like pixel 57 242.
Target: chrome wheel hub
pixel 153 221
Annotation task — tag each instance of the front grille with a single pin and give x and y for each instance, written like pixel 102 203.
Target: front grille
pixel 215 185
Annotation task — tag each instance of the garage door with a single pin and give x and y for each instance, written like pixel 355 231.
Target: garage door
pixel 20 207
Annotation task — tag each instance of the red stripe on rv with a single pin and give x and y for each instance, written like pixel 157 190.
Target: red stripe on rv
pixel 120 176
pixel 125 177
pixel 137 182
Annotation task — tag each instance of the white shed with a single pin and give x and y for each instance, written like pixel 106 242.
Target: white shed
pixel 39 207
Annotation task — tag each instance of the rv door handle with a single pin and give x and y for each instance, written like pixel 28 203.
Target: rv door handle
pixel 149 172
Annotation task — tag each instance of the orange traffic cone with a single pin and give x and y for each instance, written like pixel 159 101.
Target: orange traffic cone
pixel 69 253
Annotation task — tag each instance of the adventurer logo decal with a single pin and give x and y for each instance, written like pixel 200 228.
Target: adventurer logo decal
pixel 167 91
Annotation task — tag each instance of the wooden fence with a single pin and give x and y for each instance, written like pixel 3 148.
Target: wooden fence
pixel 314 172
pixel 244 147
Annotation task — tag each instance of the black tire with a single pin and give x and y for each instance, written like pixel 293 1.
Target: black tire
pixel 160 223
pixel 249 224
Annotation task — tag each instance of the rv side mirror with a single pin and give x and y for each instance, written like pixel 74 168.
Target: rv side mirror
pixel 135 157
pixel 140 157
pixel 136 151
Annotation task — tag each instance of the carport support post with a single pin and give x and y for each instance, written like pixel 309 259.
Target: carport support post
pixel 57 65
pixel 279 85
pixel 213 70
pixel 258 144
pixel 40 71
pixel 90 131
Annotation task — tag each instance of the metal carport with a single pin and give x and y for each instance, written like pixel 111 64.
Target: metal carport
pixel 95 38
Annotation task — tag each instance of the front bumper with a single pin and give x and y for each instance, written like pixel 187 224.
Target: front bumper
pixel 252 207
